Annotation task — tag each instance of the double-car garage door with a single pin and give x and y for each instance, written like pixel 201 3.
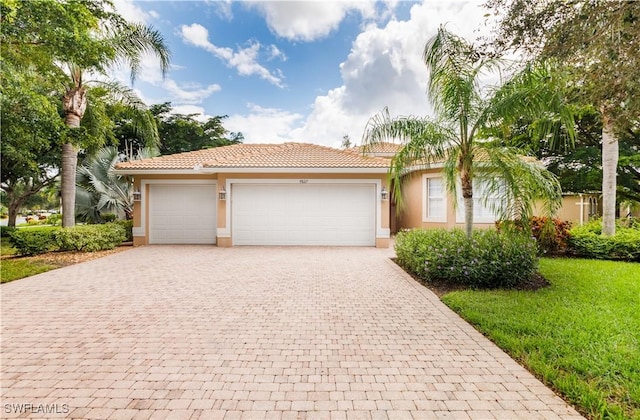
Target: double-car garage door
pixel 303 214
pixel 338 214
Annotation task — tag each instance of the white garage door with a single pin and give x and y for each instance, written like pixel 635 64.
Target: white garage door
pixel 182 214
pixel 303 214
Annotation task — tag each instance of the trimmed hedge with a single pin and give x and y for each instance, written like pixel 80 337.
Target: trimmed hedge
pixel 587 241
pixel 33 241
pixel 86 238
pixel 489 259
pixel 90 238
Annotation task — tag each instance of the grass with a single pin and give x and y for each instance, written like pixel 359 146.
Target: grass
pixel 6 248
pixel 581 335
pixel 15 269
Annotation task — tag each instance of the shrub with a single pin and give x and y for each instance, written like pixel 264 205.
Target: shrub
pixel 109 217
pixel 5 231
pixel 55 219
pixel 488 259
pixel 128 227
pixel 90 238
pixel 587 241
pixel 33 241
pixel 552 235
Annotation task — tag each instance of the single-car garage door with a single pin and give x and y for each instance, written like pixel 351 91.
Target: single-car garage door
pixel 182 214
pixel 303 214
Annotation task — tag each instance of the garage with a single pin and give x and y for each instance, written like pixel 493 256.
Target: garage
pixel 182 214
pixel 327 214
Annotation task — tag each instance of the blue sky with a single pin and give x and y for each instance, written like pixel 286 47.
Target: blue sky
pixel 308 71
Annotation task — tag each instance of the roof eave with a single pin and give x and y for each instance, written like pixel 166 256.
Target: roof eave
pixel 269 170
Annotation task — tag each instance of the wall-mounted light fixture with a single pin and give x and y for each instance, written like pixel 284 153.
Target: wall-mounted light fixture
pixel 222 194
pixel 384 194
pixel 137 195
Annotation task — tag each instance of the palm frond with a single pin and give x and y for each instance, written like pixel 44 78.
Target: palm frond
pixel 521 182
pixel 537 93
pixel 424 142
pixel 132 41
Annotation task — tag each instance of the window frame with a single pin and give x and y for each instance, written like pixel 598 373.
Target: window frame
pixel 426 197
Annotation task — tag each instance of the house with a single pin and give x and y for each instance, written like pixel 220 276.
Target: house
pixel 261 194
pixel 296 194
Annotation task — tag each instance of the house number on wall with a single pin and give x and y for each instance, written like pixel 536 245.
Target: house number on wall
pixel 304 181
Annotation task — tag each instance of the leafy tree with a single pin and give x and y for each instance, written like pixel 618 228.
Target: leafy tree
pixel 599 40
pixel 31 129
pixel 346 142
pixel 79 38
pixel 183 133
pixel 464 112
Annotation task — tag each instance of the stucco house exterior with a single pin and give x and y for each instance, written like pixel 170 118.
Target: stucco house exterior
pixel 296 194
pixel 261 194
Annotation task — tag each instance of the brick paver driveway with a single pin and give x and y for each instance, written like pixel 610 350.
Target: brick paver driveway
pixel 205 332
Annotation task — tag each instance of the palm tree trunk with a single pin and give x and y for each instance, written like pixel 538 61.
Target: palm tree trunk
pixel 609 171
pixel 74 105
pixel 467 196
pixel 69 164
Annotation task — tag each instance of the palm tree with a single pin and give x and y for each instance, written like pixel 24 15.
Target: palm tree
pixel 459 138
pixel 100 191
pixel 125 43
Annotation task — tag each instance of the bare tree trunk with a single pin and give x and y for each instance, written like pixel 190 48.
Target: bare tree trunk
pixel 467 196
pixel 609 171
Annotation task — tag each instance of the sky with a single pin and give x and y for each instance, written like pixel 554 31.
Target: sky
pixel 302 71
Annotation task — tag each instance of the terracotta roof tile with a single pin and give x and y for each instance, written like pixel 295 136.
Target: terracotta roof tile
pixel 384 148
pixel 286 155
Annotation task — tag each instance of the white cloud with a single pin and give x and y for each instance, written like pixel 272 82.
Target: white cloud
pixel 198 112
pixel 275 52
pixel 384 68
pixel 309 20
pixel 243 60
pixel 131 12
pixel 264 125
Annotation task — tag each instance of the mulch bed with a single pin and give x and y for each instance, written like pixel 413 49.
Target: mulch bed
pixel 441 288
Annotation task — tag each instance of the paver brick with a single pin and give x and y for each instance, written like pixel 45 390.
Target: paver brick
pixel 253 332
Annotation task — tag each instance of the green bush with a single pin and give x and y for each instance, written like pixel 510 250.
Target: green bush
pixel 5 231
pixel 128 227
pixel 90 238
pixel 109 217
pixel 55 219
pixel 552 235
pixel 587 241
pixel 489 259
pixel 33 241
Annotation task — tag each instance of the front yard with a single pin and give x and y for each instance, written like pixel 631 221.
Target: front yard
pixel 13 267
pixel 581 335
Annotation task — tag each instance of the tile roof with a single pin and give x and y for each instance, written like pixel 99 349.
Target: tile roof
pixel 384 148
pixel 285 155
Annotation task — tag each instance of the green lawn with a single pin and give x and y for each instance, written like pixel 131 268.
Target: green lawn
pixel 17 268
pixel 581 335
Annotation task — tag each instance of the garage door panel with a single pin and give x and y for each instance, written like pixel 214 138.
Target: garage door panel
pixel 182 214
pixel 310 214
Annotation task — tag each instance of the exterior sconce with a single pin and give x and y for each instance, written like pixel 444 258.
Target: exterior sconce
pixel 222 194
pixel 384 194
pixel 137 195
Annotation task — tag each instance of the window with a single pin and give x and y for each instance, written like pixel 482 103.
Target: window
pixel 435 204
pixel 484 204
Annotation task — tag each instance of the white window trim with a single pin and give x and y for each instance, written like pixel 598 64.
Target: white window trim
pixel 425 198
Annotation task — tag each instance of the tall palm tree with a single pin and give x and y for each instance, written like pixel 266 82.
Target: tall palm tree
pixel 466 113
pixel 126 43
